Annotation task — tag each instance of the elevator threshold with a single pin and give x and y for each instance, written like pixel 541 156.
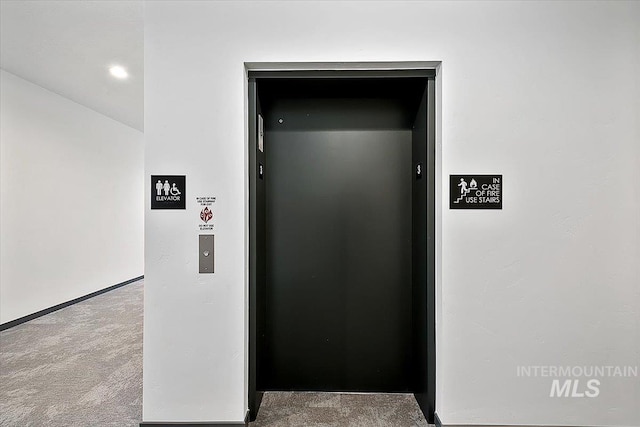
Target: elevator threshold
pixel 313 409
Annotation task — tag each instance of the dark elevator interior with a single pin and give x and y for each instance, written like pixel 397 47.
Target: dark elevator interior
pixel 339 236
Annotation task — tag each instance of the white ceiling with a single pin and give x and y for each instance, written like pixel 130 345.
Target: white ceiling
pixel 68 46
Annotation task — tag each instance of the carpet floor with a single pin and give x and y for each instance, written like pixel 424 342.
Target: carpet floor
pixel 82 367
pixel 79 366
pixel 288 409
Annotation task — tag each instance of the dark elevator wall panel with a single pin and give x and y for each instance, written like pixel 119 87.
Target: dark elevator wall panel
pixel 257 263
pixel 338 247
pixel 419 265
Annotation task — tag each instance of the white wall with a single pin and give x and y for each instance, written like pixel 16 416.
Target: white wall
pixel 72 208
pixel 546 93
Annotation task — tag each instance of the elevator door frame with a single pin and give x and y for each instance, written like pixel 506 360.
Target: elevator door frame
pixel 256 161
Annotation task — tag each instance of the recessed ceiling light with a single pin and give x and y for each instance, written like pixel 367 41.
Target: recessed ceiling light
pixel 118 72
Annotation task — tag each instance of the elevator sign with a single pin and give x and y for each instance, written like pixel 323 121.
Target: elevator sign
pixel 475 192
pixel 168 192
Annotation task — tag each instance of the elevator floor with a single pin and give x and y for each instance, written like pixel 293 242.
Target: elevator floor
pixel 295 409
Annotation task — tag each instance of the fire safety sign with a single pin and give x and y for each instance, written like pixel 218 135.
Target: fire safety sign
pixel 475 192
pixel 168 192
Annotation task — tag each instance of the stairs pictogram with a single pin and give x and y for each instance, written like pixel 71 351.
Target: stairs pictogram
pixel 464 193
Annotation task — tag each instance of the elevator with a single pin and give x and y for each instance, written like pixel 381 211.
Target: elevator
pixel 341 233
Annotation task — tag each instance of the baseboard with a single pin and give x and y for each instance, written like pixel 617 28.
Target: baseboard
pixel 194 424
pixel 198 423
pixel 438 423
pixel 57 307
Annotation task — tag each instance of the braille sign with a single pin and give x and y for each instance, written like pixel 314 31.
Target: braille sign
pixel 168 192
pixel 475 192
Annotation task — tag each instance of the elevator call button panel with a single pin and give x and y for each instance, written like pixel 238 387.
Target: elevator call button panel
pixel 206 252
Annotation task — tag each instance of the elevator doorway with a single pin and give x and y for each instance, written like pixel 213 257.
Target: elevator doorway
pixel 341 236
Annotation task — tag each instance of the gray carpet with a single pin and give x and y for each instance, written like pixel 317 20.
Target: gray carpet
pixel 286 409
pixel 82 367
pixel 79 366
